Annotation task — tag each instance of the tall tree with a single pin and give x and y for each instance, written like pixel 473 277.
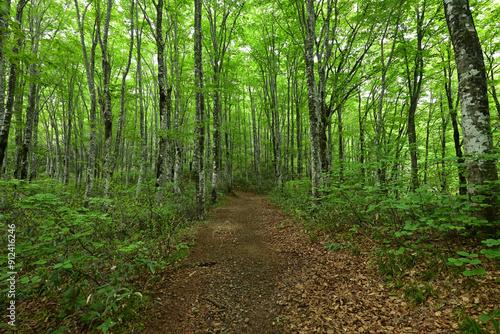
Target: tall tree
pixel 473 90
pixel 121 116
pixel 448 71
pixel 89 61
pixel 142 120
pixel 11 86
pixel 313 97
pixel 199 130
pixel 414 79
pixel 105 99
pixel 221 34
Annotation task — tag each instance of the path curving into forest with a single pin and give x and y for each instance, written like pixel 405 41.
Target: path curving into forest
pixel 253 270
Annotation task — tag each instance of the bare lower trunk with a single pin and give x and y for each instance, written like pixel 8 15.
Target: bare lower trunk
pixel 11 88
pixel 199 132
pixel 478 145
pixel 90 71
pixel 314 102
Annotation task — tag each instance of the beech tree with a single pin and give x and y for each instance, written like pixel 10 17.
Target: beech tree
pixel 11 86
pixel 221 33
pixel 198 155
pixel 326 94
pixel 473 89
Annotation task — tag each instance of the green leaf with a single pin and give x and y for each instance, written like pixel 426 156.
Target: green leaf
pixel 491 242
pixel 491 253
pixel 479 271
pixel 475 262
pixel 454 262
pixel 462 253
pixel 484 318
pixel 468 273
pixel 400 251
pixel 151 268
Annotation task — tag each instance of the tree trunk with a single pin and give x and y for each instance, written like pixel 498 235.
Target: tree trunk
pixel 106 102
pixel 198 156
pixel 256 144
pixel 415 86
pixel 90 71
pixel 314 101
pixel 121 117
pixel 142 120
pixel 448 74
pixel 164 91
pixel 473 91
pixel 11 86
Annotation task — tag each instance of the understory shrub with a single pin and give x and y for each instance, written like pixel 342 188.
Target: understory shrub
pixel 88 256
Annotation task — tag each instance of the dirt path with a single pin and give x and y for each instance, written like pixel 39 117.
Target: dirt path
pixel 253 270
pixel 229 283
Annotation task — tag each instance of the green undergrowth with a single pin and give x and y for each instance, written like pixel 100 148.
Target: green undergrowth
pixel 93 262
pixel 415 237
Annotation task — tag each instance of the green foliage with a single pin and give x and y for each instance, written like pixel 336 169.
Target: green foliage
pixel 470 326
pixel 88 257
pixel 393 263
pixel 419 294
pixel 467 259
pixel 493 317
pixel 332 246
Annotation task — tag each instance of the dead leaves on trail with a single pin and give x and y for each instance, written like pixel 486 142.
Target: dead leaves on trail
pixel 339 292
pixel 253 270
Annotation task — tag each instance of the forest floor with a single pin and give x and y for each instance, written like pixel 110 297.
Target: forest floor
pixel 254 270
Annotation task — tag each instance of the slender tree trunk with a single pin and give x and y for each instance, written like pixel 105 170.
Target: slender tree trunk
pixel 229 145
pixel 314 101
pixel 34 145
pixel 11 86
pixel 216 142
pixel 385 67
pixel 198 156
pixel 276 131
pixel 177 142
pixel 106 102
pixel 19 125
pixel 67 143
pixel 341 145
pixel 415 86
pixel 164 92
pixel 452 109
pixel 4 35
pixel 256 144
pixel 298 121
pixel 444 126
pixel 121 117
pixel 142 120
pixel 90 71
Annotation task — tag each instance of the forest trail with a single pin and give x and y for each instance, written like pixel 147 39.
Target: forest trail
pixel 229 282
pixel 252 270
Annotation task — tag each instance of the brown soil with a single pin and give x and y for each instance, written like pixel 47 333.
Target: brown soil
pixel 229 283
pixel 252 270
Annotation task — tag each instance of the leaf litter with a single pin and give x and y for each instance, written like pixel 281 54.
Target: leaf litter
pixel 253 270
